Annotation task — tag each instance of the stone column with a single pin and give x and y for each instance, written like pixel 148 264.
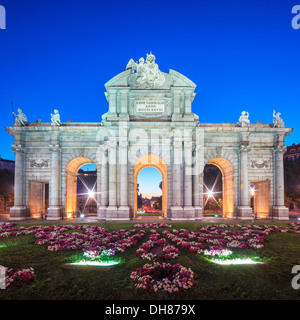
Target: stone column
pixel 124 106
pixel 176 208
pixel 55 209
pixel 101 213
pixel 112 176
pixel 197 182
pixel 112 112
pixel 189 212
pixel 188 107
pixel 280 212
pixel 123 211
pixel 177 116
pixel 244 210
pixel 19 210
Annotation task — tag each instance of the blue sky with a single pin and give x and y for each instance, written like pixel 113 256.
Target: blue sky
pixel 242 55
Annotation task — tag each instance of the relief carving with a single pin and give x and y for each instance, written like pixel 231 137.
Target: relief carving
pixel 260 163
pixel 39 162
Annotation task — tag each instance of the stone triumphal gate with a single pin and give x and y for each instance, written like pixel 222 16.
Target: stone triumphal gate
pixel 149 123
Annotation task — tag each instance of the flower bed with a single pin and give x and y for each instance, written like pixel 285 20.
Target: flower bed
pixel 157 248
pixel 163 277
pixel 152 225
pixel 58 237
pixel 18 277
pixel 217 237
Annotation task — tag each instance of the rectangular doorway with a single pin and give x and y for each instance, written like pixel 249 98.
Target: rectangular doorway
pixel 38 199
pixel 261 199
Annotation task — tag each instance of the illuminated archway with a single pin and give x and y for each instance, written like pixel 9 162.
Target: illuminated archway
pixel 71 184
pixel 159 164
pixel 227 171
pixel 149 181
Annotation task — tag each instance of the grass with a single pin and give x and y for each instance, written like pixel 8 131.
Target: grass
pixel 212 281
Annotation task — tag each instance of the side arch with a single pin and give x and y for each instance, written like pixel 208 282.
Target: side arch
pixel 227 171
pixel 71 184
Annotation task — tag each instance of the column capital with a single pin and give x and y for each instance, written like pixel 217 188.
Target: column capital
pixel 102 147
pixel 123 144
pixel 55 147
pixel 280 148
pixel 188 144
pixel 111 144
pixel 177 144
pixel 245 148
pixel 17 148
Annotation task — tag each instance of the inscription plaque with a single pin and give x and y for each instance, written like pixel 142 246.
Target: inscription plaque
pixel 150 106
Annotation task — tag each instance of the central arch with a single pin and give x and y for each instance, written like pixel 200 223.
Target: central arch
pixel 71 184
pixel 227 171
pixel 155 162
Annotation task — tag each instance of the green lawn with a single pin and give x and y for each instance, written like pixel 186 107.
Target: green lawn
pixel 272 281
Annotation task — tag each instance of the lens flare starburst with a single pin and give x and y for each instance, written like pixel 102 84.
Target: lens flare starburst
pixel 91 194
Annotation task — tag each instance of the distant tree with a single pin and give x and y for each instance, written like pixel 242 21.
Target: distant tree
pixel 160 185
pixel 7 184
pixel 292 182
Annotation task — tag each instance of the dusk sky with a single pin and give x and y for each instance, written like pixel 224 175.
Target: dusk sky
pixel 149 180
pixel 242 55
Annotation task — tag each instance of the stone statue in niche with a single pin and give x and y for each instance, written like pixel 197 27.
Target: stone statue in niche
pixel 277 121
pixel 147 71
pixel 244 118
pixel 21 118
pixel 55 118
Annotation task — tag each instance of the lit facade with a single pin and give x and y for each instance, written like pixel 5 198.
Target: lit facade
pixel 149 122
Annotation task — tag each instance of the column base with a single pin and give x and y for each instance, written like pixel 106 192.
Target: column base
pixel 182 213
pixel 115 213
pixel 17 213
pixel 123 117
pixel 54 213
pixel 124 213
pixel 244 212
pixel 280 213
pixel 177 117
pixel 189 117
pixel 101 213
pixel 112 117
pixel 198 213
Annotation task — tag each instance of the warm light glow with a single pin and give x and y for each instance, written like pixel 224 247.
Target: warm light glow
pixel 91 194
pixel 252 191
pixel 209 194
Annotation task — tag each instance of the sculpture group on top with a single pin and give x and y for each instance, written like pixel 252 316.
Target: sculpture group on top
pixel 148 71
pixel 244 118
pixel 55 118
pixel 21 118
pixel 277 121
